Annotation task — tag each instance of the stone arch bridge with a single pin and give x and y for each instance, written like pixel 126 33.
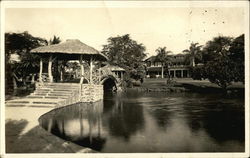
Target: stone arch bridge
pixel 111 80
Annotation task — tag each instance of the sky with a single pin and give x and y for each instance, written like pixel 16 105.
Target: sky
pixel 174 28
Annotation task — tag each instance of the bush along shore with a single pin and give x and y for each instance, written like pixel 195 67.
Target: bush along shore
pixel 196 87
pixel 162 89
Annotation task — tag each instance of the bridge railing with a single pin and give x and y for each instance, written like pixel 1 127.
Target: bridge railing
pixel 99 75
pixel 106 72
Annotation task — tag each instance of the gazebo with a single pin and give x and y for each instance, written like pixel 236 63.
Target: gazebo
pixel 69 50
pixel 72 50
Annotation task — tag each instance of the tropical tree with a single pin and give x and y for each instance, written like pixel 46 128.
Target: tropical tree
pixel 218 67
pixel 223 59
pixel 20 44
pixel 126 53
pixel 193 53
pixel 237 54
pixel 216 48
pixel 164 57
pixel 220 71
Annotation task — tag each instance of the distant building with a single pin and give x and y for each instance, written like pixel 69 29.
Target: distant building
pixel 116 70
pixel 177 68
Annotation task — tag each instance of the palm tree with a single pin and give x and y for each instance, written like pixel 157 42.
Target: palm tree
pixel 55 40
pixel 193 53
pixel 164 57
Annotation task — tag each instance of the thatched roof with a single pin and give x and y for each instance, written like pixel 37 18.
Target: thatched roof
pixel 113 68
pixel 70 48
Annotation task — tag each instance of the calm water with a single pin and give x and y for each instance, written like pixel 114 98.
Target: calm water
pixel 152 122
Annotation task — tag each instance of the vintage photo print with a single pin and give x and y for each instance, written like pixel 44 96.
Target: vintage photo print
pixel 125 79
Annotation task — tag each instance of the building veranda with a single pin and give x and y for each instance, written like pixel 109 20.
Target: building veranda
pixel 177 68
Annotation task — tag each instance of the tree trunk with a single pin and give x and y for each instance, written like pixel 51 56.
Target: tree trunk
pixel 14 83
pixel 33 78
pixel 193 63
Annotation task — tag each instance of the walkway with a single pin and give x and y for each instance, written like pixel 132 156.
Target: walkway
pixel 23 133
pixel 49 95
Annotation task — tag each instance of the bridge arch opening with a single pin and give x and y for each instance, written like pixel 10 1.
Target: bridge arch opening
pixel 109 84
pixel 85 81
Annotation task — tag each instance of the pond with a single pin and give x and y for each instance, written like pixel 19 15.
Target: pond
pixel 138 122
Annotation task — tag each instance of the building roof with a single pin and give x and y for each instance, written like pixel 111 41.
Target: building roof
pixel 152 58
pixel 70 47
pixel 175 58
pixel 113 68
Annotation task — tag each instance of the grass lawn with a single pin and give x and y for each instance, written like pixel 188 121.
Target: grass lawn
pixel 161 82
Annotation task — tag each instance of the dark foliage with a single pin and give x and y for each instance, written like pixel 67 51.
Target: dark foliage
pixel 223 61
pixel 21 44
pixel 237 54
pixel 126 53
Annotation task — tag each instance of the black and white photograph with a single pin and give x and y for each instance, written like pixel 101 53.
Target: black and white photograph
pixel 111 78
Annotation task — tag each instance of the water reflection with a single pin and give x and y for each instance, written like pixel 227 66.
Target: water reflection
pixel 80 123
pixel 125 118
pixel 222 119
pixel 152 122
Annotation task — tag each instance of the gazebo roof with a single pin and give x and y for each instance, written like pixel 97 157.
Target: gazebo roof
pixel 72 47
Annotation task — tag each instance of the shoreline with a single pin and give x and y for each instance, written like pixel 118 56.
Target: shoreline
pixel 22 125
pixel 189 85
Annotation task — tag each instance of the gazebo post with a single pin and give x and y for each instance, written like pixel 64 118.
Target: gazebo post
pixel 91 69
pixel 61 71
pixel 121 75
pixel 50 69
pixel 41 70
pixel 82 69
pixel 99 75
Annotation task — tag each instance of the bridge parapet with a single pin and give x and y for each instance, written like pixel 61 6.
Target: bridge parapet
pixel 100 75
pixel 106 73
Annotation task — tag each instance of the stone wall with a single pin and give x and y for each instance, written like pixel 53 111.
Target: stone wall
pixel 79 92
pixel 91 93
